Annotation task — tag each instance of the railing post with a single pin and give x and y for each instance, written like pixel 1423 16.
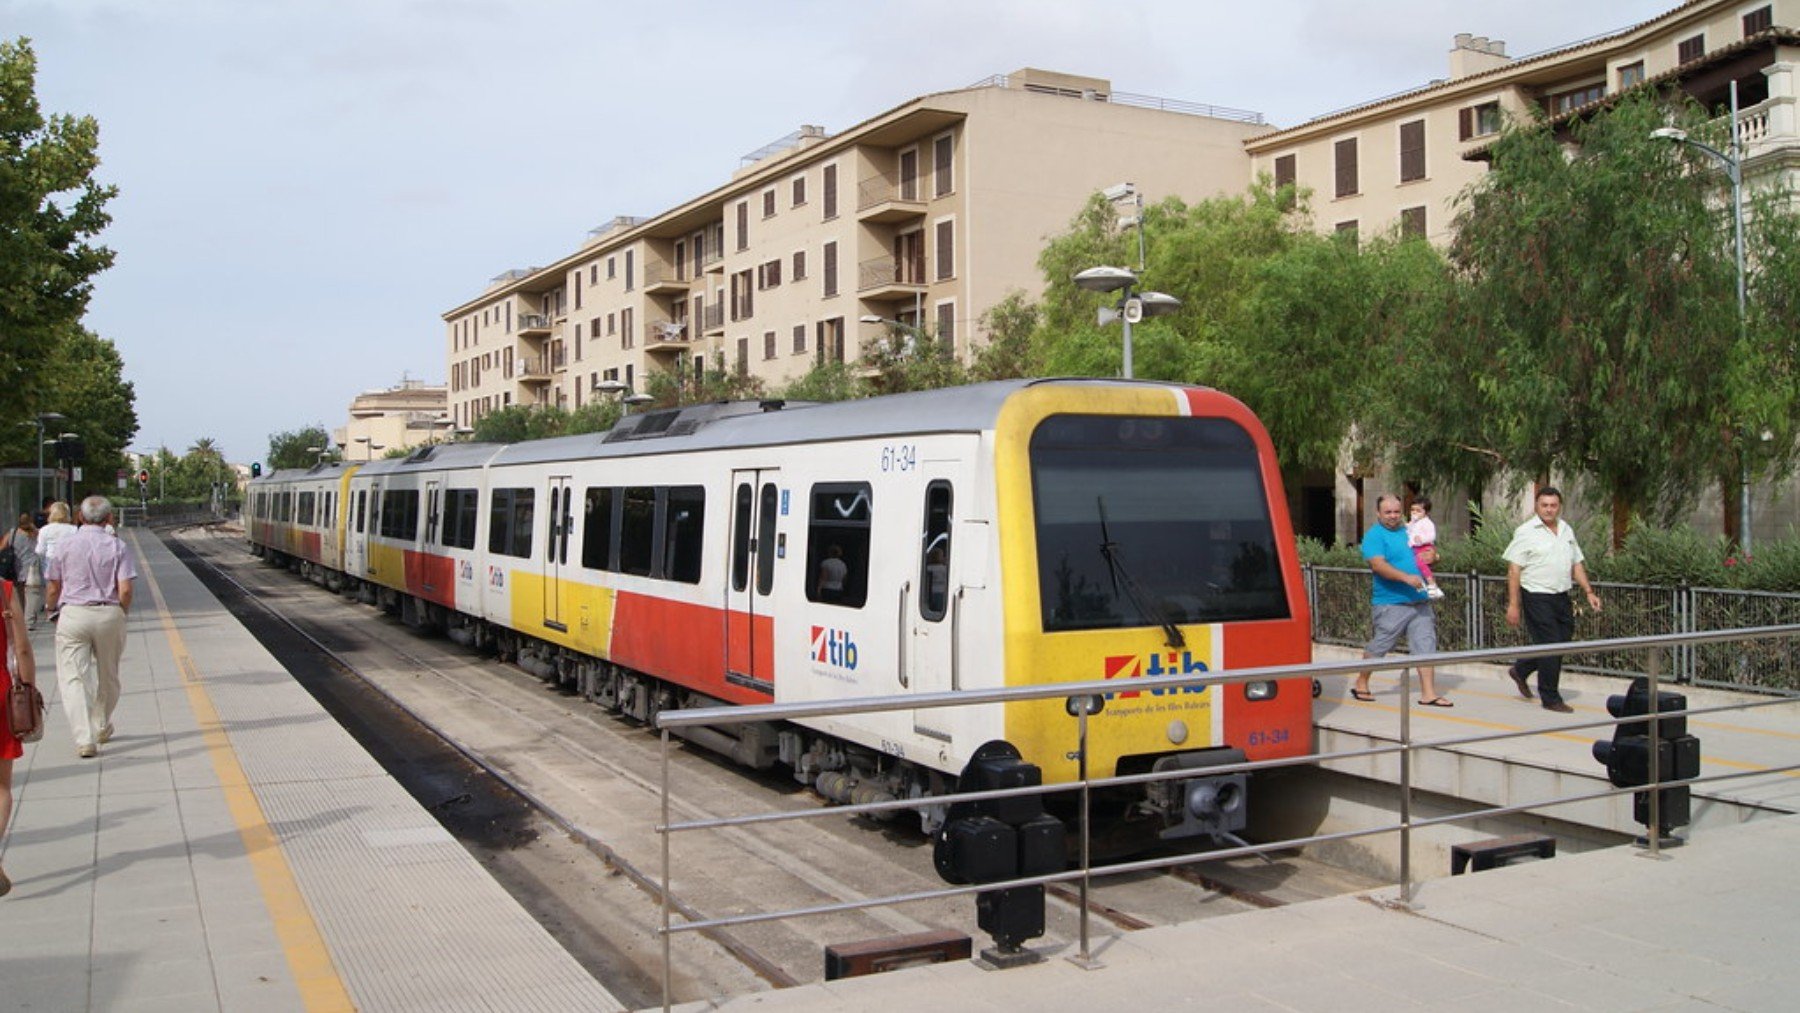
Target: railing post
pixel 1086 958
pixel 1406 785
pixel 667 973
pixel 1653 667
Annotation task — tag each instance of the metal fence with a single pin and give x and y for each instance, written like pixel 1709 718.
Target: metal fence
pixel 1472 616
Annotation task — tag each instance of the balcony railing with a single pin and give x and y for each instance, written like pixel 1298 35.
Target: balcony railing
pixel 713 318
pixel 659 275
pixel 884 197
pixel 665 333
pixel 532 370
pixel 886 272
pixel 711 257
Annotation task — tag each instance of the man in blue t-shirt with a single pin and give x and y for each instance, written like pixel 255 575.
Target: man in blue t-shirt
pixel 1402 607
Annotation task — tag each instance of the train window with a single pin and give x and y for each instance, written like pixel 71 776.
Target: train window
pixel 637 531
pixel 510 517
pixel 740 538
pixel 597 529
pixel 934 553
pixel 362 502
pixel 304 511
pixel 400 514
pixel 837 544
pixel 765 540
pixel 1149 521
pixel 460 507
pixel 684 517
pixel 568 526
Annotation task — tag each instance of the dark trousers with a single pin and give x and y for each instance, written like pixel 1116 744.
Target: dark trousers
pixel 1549 619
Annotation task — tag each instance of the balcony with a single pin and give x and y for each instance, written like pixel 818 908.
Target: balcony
pixel 712 319
pixel 531 370
pixel 887 278
pixel 883 198
pixel 534 325
pixel 666 336
pixel 664 279
pixel 713 258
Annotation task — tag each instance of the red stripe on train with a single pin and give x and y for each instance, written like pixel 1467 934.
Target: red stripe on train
pixel 685 643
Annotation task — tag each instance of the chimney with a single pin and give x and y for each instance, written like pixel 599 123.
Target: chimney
pixel 1475 54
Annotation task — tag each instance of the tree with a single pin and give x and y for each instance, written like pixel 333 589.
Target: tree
pixel 296 448
pixel 82 377
pixel 1597 290
pixel 50 210
pixel 519 422
pixel 906 360
pixel 1010 351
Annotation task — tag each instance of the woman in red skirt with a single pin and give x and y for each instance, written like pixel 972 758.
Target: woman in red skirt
pixel 15 648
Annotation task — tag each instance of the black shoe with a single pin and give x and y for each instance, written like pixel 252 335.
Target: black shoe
pixel 1518 679
pixel 1559 707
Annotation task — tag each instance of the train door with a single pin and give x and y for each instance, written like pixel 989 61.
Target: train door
pixel 929 624
pixel 755 546
pixel 374 515
pixel 356 539
pixel 433 517
pixel 556 551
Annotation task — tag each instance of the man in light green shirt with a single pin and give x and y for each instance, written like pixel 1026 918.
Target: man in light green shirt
pixel 1543 561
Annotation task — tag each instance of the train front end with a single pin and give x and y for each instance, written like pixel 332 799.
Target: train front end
pixel 1158 545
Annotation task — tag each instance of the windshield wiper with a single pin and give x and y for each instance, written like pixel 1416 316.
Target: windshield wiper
pixel 1123 581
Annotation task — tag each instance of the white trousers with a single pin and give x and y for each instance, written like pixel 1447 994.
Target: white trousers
pixel 90 639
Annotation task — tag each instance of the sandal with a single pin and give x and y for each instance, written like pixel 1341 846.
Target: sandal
pixel 1362 694
pixel 1436 701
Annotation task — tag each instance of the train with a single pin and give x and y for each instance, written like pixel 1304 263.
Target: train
pixel 1010 533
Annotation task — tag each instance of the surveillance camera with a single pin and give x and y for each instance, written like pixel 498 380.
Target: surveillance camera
pixel 1119 191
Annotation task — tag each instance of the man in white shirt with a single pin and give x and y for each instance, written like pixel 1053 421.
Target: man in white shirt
pixel 1543 561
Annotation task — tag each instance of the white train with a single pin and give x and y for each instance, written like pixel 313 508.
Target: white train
pixel 1011 533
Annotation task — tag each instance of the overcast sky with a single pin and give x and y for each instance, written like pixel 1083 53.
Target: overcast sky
pixel 305 185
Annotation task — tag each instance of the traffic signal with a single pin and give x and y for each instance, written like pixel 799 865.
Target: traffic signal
pixel 256 469
pixel 144 477
pixel 1632 758
pixel 993 840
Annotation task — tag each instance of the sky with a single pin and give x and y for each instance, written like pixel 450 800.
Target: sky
pixel 305 186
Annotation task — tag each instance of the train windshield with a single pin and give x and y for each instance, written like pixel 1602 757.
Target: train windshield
pixel 1151 522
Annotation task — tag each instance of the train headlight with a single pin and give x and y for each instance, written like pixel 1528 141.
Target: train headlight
pixel 1264 690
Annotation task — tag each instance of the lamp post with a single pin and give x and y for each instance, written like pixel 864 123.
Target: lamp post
pixel 912 333
pixel 1734 171
pixel 43 419
pixel 627 397
pixel 1133 305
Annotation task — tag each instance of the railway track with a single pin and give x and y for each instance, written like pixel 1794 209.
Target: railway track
pixel 592 782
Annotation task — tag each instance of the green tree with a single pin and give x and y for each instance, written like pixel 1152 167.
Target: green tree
pixel 517 423
pixel 825 381
pixel 295 448
pixel 1598 288
pixel 904 360
pixel 82 377
pixel 51 209
pixel 1011 350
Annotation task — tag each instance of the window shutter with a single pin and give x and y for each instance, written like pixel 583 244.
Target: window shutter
pixel 1412 151
pixel 946 250
pixel 1345 151
pixel 1284 171
pixel 1465 123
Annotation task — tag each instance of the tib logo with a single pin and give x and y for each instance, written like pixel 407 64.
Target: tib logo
pixel 833 647
pixel 1133 666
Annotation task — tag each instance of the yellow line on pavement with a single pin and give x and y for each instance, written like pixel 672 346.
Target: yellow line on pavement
pixel 307 956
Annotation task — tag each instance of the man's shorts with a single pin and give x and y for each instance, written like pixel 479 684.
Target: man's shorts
pixel 1416 622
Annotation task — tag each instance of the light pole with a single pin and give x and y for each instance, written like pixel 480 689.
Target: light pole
pixel 1734 171
pixel 43 419
pixel 1133 305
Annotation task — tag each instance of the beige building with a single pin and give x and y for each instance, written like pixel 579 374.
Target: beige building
pixel 926 214
pixel 409 414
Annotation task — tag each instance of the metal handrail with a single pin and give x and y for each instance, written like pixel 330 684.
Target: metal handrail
pixel 669 721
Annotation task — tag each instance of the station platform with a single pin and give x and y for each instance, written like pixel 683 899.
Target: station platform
pixel 232 848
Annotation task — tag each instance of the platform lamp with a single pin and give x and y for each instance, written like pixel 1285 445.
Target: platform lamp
pixel 912 332
pixel 627 397
pixel 43 419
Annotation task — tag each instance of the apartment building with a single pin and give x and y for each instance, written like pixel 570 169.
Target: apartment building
pixel 926 214
pixel 1399 163
pixel 408 414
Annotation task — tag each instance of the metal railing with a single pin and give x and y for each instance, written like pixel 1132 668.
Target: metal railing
pixel 884 188
pixel 880 271
pixel 1472 616
pixel 1076 693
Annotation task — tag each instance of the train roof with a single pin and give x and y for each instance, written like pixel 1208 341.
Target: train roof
pixel 724 424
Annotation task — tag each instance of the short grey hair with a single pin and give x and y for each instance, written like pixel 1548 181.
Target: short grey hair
pixel 96 509
pixel 1379 500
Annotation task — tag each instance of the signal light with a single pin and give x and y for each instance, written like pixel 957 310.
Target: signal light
pixel 993 840
pixel 144 477
pixel 256 469
pixel 1632 758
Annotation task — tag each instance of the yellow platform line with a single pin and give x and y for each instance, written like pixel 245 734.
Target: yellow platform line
pixel 307 956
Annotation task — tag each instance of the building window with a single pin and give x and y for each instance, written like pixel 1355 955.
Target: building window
pixel 575 283
pixel 1478 121
pixel 946 250
pixel 799 265
pixel 799 190
pixel 946 323
pixel 830 198
pixel 769 203
pixel 612 268
pixel 743 304
pixel 768 344
pixel 629 284
pixel 1689 50
pixel 611 325
pixel 909 174
pixel 1285 173
pixel 1412 223
pixel 743 225
pixel 799 339
pixel 1347 231
pixel 831 278
pixel 1758 20
pixel 768 275
pixel 1575 98
pixel 1412 151
pixel 625 338
pixel 743 357
pixel 943 176
pixel 1344 158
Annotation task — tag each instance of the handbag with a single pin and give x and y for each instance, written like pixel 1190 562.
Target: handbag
pixel 25 711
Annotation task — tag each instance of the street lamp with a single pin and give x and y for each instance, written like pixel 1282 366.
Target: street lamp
pixel 1734 171
pixel 912 333
pixel 43 419
pixel 1133 305
pixel 629 398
